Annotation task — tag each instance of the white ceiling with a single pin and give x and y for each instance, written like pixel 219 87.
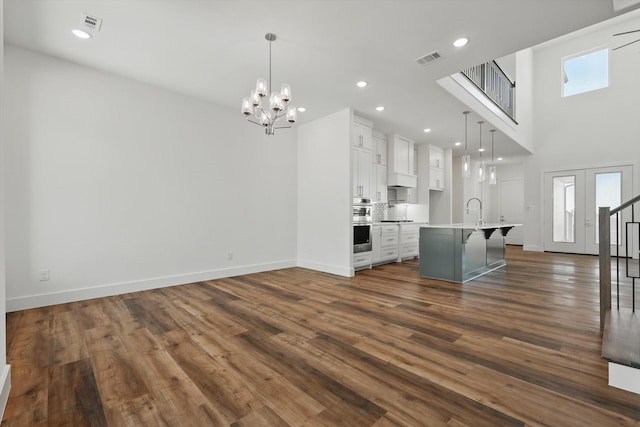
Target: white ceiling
pixel 216 49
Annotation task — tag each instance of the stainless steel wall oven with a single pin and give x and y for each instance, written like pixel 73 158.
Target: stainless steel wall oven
pixel 362 222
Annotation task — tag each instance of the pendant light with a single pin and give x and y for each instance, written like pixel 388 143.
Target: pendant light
pixel 481 166
pixel 492 169
pixel 466 158
pixel 275 106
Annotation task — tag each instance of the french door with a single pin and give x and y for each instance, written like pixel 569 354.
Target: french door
pixel 571 202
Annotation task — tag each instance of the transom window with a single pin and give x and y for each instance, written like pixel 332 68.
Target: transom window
pixel 585 72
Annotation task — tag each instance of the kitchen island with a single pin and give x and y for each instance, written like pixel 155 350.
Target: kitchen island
pixel 462 252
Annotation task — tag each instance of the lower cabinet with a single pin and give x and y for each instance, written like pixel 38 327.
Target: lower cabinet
pixel 409 241
pixel 385 243
pixel 362 260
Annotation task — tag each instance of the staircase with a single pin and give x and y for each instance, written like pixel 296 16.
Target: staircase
pixel 621 336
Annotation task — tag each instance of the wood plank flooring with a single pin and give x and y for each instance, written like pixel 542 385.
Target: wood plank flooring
pixel 517 347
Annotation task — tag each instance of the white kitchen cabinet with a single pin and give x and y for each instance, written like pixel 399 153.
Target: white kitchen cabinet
pixel 400 161
pixel 362 133
pixel 436 168
pixel 362 260
pixel 379 150
pixel 361 172
pixel 385 243
pixel 409 239
pixel 379 183
pixel 436 179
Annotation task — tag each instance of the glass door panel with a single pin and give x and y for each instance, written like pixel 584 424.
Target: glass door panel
pixel 564 217
pixel 610 186
pixel 564 209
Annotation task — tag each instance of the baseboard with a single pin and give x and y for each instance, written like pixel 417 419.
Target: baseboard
pixel 533 248
pixel 5 387
pixel 326 268
pixel 624 377
pixel 61 297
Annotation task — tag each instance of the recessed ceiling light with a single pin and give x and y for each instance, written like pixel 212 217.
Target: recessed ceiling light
pixel 380 108
pixel 427 130
pixel 499 158
pixel 302 109
pixel 361 83
pixel 457 144
pixel 481 150
pixel 81 34
pixel 461 42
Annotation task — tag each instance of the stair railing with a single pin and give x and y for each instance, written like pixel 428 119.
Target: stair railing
pixel 604 222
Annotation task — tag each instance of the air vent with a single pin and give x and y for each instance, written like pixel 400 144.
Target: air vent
pixel 429 58
pixel 92 22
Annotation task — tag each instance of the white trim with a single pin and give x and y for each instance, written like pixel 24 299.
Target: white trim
pixel 61 297
pixel 624 377
pixel 5 387
pixel 326 268
pixel 533 248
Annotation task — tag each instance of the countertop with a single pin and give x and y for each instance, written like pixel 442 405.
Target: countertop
pixel 420 223
pixel 472 226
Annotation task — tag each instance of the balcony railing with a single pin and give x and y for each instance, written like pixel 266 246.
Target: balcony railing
pixel 495 84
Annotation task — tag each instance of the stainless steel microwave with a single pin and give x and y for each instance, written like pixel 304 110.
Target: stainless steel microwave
pixel 362 211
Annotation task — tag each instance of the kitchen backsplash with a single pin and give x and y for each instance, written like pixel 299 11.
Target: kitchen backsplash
pixel 384 211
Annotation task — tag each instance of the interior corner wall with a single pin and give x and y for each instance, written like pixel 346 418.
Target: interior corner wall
pixel 593 129
pixel 5 370
pixel 525 96
pixel 324 194
pixel 116 186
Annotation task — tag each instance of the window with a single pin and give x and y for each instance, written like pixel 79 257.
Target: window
pixel 585 72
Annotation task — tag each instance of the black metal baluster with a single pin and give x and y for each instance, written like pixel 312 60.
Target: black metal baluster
pixel 618 259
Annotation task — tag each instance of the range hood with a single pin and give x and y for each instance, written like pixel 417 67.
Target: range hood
pixel 401 162
pixel 396 179
pixel 397 195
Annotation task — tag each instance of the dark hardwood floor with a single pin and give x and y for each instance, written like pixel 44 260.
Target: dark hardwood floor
pixel 519 346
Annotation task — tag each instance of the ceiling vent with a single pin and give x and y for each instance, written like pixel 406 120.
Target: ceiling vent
pixel 92 22
pixel 429 58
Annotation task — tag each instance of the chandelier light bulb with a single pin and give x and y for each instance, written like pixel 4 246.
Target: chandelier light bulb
pixel 261 87
pixel 264 119
pixel 285 92
pixel 292 114
pixel 247 108
pixel 275 102
pixel 254 98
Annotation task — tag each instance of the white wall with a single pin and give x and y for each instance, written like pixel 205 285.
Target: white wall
pixel 599 128
pixel 115 185
pixel 325 238
pixel 5 370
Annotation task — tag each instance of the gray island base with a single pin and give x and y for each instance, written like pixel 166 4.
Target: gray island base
pixel 462 252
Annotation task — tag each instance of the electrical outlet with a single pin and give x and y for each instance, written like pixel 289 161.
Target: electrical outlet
pixel 44 275
pixel 229 256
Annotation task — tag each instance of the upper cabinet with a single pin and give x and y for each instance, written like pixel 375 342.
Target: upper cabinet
pixel 361 168
pixel 400 161
pixel 362 133
pixel 379 183
pixel 379 150
pixel 436 168
pixel 361 157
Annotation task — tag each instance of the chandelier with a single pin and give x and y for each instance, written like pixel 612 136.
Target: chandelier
pixel 268 115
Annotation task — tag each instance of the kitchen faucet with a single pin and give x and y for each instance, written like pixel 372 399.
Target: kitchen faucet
pixel 480 220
